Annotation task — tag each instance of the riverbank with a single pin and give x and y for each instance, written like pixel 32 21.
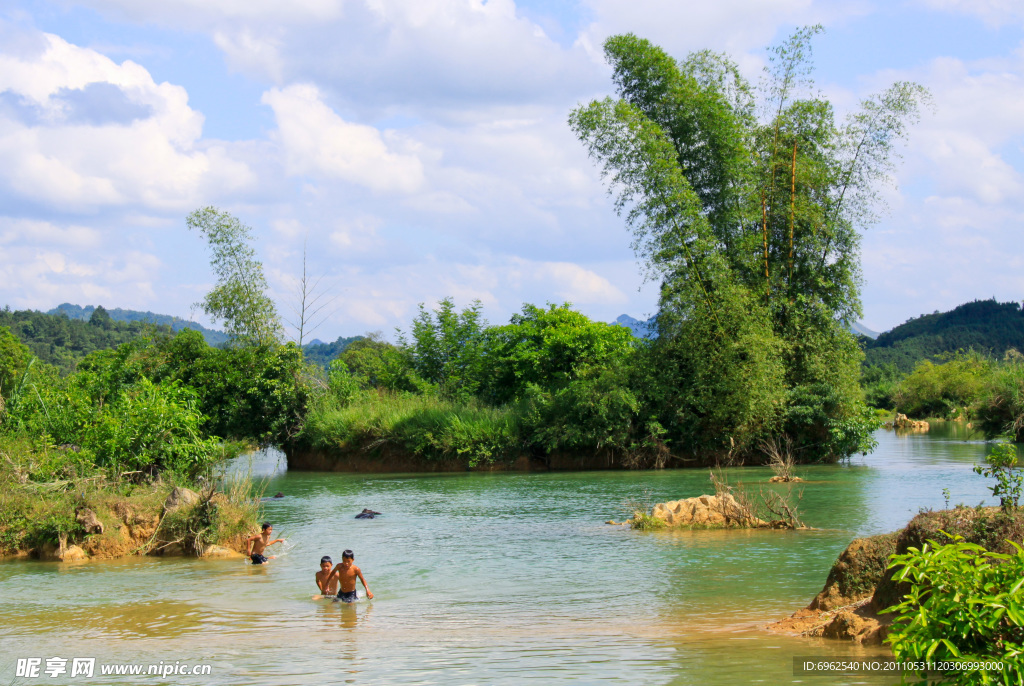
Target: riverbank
pixel 859 588
pixel 58 514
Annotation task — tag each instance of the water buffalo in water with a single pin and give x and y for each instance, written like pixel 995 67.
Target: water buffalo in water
pixel 367 514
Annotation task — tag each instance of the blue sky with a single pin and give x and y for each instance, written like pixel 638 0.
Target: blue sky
pixel 420 150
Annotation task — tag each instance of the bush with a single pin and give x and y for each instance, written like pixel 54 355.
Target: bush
pixel 429 427
pixel 947 390
pixel 965 604
pixel 1001 406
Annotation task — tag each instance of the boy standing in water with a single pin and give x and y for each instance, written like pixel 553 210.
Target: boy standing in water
pixel 325 581
pixel 257 544
pixel 346 574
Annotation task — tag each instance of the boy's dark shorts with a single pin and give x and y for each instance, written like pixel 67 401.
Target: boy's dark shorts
pixel 258 559
pixel 347 596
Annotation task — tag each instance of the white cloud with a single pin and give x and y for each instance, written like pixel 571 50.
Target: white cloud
pixel 80 131
pixel 992 12
pixel 36 232
pixel 317 141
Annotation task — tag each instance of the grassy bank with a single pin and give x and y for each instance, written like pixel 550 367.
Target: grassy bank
pixel 427 427
pixel 50 500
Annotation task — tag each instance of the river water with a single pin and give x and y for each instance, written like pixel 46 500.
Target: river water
pixel 486 579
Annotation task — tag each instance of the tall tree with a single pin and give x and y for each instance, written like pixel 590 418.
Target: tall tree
pixel 240 297
pixel 751 223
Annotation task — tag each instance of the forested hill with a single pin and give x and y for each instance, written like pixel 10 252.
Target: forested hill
pixel 212 336
pixel 322 353
pixel 62 341
pixel 987 326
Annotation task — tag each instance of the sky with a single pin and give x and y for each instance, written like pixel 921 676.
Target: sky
pixel 418 150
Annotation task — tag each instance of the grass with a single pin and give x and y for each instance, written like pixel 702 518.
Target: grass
pixel 428 427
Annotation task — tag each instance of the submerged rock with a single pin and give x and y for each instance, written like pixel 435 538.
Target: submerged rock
pixel 73 554
pixel 221 551
pixel 902 421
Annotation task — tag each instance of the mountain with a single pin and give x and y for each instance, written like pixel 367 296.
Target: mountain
pixel 640 328
pixel 61 341
pixel 320 353
pixel 862 330
pixel 213 337
pixel 987 326
pixel 648 329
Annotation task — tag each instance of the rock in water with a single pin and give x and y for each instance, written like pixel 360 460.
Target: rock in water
pixel 87 518
pixel 705 511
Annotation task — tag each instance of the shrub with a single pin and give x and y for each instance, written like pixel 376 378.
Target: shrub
pixel 965 604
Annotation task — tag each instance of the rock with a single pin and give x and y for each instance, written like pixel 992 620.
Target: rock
pixel 901 421
pixel 73 554
pixel 180 497
pixel 705 511
pixel 221 551
pixel 87 518
pixel 856 572
pixel 850 626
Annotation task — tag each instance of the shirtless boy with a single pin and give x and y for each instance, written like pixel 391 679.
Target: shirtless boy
pixel 346 573
pixel 257 544
pixel 325 581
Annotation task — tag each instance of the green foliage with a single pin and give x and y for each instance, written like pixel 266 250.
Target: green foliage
pixel 447 348
pixel 375 363
pixel 14 359
pixel 1002 466
pixel 751 227
pixel 880 382
pixel 240 297
pixel 343 386
pixel 548 348
pixel 429 427
pixel 55 339
pixel 947 390
pixel 718 384
pixel 161 321
pixel 1001 406
pixel 964 604
pixel 321 354
pixel 598 410
pixel 987 326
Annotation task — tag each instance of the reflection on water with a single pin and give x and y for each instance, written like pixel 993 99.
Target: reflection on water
pixel 490 578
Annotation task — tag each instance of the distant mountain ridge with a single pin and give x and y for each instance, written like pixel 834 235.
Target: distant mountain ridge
pixel 986 326
pixel 649 328
pixel 213 336
pixel 640 328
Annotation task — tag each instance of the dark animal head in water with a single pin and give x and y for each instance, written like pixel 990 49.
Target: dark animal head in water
pixel 367 514
pixel 279 495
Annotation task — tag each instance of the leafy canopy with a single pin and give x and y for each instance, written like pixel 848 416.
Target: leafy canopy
pixel 240 297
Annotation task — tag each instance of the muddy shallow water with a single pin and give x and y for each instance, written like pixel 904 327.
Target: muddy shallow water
pixel 486 579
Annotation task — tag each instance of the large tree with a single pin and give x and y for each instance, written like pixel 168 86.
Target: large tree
pixel 240 297
pixel 746 205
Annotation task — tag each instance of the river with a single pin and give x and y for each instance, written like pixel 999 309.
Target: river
pixel 486 579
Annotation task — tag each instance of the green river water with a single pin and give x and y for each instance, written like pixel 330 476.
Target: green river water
pixel 487 579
